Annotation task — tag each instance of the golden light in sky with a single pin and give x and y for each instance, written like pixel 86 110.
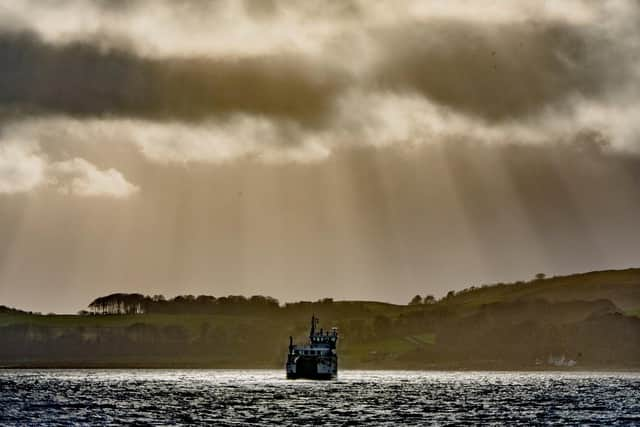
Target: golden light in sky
pixel 352 149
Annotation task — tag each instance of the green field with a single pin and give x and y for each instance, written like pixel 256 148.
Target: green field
pixel 635 312
pixel 386 349
pixel 192 322
pixel 622 287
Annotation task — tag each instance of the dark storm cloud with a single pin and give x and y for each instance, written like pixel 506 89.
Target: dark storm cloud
pixel 86 79
pixel 259 9
pixel 499 71
pixel 492 70
pixel 190 6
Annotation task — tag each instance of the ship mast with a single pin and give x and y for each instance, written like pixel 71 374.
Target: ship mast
pixel 314 322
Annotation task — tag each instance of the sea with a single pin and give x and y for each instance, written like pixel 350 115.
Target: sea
pixel 265 397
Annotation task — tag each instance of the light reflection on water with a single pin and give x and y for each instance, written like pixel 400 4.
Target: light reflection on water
pixel 265 397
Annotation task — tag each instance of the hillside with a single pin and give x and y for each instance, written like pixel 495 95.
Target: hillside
pixel 503 326
pixel 622 287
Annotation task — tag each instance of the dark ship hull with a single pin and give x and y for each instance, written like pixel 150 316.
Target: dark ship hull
pixel 313 368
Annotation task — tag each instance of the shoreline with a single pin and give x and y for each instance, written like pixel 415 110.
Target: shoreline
pixel 142 367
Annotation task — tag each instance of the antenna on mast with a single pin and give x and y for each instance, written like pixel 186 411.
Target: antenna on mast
pixel 314 321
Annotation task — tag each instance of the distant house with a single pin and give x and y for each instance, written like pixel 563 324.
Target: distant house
pixel 561 361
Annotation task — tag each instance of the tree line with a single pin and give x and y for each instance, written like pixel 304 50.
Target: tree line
pixel 123 303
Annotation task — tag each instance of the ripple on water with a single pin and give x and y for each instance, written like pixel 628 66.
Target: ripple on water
pixel 226 397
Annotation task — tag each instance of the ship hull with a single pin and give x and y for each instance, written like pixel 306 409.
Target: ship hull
pixel 312 376
pixel 313 368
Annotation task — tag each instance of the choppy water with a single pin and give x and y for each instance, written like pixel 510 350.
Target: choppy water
pixel 224 397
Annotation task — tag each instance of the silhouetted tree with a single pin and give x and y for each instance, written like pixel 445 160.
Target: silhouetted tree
pixel 417 300
pixel 429 299
pixel 205 300
pixel 260 301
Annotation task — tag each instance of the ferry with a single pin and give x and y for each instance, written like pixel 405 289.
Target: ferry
pixel 317 360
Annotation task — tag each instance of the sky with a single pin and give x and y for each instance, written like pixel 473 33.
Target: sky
pixel 356 149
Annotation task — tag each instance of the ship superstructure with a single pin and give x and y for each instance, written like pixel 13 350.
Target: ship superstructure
pixel 316 360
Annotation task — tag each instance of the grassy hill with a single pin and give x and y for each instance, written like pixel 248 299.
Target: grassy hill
pixel 590 317
pixel 622 287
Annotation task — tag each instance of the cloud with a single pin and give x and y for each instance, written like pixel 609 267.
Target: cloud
pixel 25 168
pixel 240 137
pixel 360 119
pixel 232 28
pixel 81 178
pixel 512 63
pixel 500 71
pixel 21 168
pixel 84 79
pixel 367 75
pixel 237 137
